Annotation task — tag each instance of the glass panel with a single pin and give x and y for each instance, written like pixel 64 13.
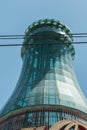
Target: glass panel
pixel 51 76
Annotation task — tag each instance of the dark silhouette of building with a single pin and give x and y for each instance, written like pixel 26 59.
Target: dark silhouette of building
pixel 47 90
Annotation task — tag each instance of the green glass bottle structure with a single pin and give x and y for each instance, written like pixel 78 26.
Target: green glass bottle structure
pixel 47 90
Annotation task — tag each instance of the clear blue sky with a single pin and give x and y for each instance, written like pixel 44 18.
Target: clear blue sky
pixel 16 15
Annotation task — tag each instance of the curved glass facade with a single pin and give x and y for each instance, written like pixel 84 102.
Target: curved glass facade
pixel 47 79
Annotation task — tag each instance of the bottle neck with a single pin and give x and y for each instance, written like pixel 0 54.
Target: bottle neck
pixel 42 59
